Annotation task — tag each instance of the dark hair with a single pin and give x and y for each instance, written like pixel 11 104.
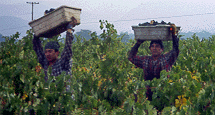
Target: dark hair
pixel 49 11
pixel 56 50
pixel 53 45
pixel 157 42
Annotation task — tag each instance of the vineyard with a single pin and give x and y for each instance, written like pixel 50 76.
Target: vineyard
pixel 104 81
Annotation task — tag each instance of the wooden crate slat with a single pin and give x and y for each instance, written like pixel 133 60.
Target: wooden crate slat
pixel 54 23
pixel 44 26
pixel 153 32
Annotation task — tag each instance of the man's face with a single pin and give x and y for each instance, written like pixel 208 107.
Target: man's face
pixel 51 55
pixel 156 49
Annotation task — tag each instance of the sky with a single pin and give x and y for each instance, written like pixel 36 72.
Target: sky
pixel 190 15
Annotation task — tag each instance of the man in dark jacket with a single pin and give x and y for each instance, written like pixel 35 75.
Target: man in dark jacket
pixel 49 57
pixel 153 65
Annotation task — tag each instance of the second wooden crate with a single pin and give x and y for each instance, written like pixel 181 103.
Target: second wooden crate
pixel 154 32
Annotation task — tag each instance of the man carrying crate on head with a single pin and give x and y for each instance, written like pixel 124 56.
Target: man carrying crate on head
pixel 153 65
pixel 49 57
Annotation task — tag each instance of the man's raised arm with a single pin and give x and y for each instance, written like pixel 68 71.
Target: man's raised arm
pixel 173 54
pixel 66 55
pixel 136 60
pixel 175 43
pixel 175 39
pixel 39 51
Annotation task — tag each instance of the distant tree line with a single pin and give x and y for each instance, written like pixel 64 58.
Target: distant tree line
pixel 202 34
pixel 1 39
pixel 126 36
pixel 86 34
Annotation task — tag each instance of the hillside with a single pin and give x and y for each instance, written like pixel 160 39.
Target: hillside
pixel 1 39
pixel 10 25
pixel 203 34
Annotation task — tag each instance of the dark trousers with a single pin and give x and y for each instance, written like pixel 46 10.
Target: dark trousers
pixel 149 93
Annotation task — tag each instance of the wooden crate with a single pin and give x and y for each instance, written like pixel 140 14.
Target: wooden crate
pixel 153 32
pixel 55 22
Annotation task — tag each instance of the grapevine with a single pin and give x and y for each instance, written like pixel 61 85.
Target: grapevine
pixel 103 79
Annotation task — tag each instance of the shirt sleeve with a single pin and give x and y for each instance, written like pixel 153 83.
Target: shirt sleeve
pixel 39 51
pixel 139 61
pixel 169 59
pixel 66 55
pixel 175 43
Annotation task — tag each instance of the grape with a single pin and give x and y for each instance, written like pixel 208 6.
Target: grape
pixel 48 11
pixel 155 23
pixel 52 9
pixel 162 22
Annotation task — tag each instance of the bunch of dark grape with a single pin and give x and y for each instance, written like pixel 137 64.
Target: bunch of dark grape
pixel 48 11
pixel 144 24
pixel 162 22
pixel 153 23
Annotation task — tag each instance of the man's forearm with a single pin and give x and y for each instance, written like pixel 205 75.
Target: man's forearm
pixel 175 41
pixel 67 51
pixel 37 46
pixel 134 50
pixel 36 43
pixel 69 39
